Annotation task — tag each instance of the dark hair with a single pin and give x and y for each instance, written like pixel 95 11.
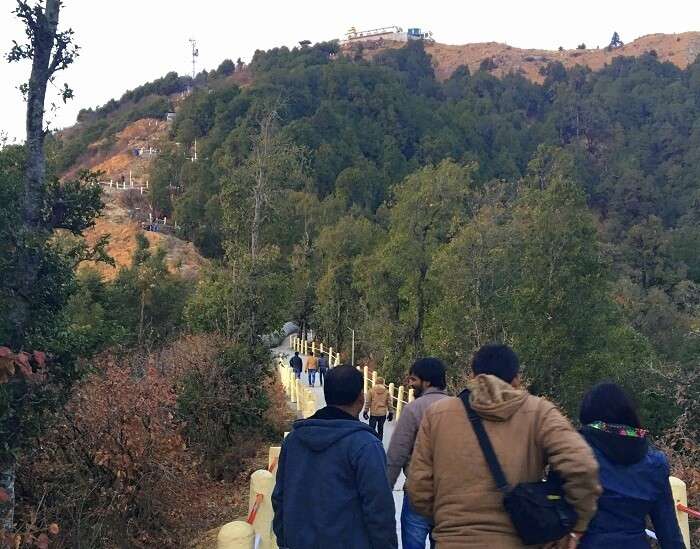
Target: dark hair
pixel 296 353
pixel 497 360
pixel 610 403
pixel 312 353
pixel 343 385
pixel 430 369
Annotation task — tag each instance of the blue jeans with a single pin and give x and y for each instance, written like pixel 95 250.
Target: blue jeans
pixel 312 377
pixel 414 527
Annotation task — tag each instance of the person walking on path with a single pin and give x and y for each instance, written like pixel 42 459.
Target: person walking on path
pixel 633 474
pixel 427 379
pixel 311 367
pixel 449 479
pixel 296 364
pixel 331 490
pixel 378 407
pixel 323 366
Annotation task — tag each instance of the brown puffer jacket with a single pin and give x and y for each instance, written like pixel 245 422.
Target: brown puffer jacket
pixel 378 402
pixel 449 479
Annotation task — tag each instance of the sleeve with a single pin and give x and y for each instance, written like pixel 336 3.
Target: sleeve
pixel 368 401
pixel 401 444
pixel 663 514
pixel 570 456
pixel 376 498
pixel 420 482
pixel 278 499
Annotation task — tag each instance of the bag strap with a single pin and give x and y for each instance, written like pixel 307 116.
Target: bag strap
pixel 485 443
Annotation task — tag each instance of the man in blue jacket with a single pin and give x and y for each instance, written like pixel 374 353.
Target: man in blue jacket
pixel 332 490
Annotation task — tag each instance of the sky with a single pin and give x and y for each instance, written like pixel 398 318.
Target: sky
pixel 126 43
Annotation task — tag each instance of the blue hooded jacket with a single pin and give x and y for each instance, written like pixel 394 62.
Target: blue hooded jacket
pixel 635 486
pixel 332 490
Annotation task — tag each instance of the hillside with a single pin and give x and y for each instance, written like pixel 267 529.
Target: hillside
pixel 679 49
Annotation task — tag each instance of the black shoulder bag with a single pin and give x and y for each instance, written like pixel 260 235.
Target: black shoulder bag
pixel 539 511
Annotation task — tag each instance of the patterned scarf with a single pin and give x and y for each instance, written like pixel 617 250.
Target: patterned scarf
pixel 617 429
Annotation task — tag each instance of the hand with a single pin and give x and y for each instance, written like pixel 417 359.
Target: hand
pixel 568 542
pixel 390 416
pixel 365 415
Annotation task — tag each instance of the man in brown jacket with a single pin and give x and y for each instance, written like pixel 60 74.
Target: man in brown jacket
pixel 311 367
pixel 450 481
pixel 378 404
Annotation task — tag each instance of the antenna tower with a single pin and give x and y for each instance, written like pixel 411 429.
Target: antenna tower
pixel 195 54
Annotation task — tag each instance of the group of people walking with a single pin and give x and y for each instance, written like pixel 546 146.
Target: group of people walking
pixel 313 364
pixel 473 466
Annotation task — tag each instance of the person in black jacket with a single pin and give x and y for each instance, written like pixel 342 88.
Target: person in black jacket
pixel 332 491
pixel 634 476
pixel 296 364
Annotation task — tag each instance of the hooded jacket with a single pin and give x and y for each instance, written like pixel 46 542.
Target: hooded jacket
pixel 331 490
pixel 449 479
pixel 635 485
pixel 378 401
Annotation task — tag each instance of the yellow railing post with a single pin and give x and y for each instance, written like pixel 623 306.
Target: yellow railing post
pixel 236 535
pixel 306 346
pixel 300 394
pixel 330 357
pixel 374 378
pixel 411 395
pixel 680 495
pixel 263 482
pixel 313 347
pixel 399 403
pixel 337 358
pixel 321 351
pixel 391 393
pixel 365 379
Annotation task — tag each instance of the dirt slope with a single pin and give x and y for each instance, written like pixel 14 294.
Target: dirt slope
pixel 680 49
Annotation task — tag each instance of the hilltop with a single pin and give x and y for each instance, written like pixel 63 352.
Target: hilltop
pixel 679 49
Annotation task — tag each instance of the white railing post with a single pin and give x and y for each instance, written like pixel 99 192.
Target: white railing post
pixel 321 351
pixel 313 347
pixel 391 393
pixel 680 496
pixel 411 395
pixel 374 378
pixel 337 359
pixel 262 482
pixel 365 379
pixel 399 403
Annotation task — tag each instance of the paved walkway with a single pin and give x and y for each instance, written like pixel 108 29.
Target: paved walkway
pixel 286 352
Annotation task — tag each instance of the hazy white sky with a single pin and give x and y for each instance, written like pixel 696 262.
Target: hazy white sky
pixel 128 42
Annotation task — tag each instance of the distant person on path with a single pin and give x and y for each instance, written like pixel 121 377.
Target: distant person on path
pixel 379 406
pixel 311 367
pixel 331 490
pixel 323 366
pixel 449 479
pixel 427 379
pixel 296 364
pixel 633 474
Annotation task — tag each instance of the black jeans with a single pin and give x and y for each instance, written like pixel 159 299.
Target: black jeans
pixel 322 372
pixel 377 423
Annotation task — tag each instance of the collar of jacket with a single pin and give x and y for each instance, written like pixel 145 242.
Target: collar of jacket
pixel 331 412
pixel 433 390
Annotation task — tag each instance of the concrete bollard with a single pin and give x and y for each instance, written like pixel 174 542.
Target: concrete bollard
pixel 399 403
pixel 411 395
pixel 680 495
pixel 273 457
pixel 365 379
pixel 236 535
pixel 262 482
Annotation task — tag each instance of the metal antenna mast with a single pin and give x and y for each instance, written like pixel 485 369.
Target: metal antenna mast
pixel 195 54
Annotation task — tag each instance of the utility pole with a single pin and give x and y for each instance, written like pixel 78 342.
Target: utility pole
pixel 195 54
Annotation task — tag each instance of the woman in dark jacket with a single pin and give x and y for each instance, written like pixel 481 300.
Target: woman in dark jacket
pixel 633 474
